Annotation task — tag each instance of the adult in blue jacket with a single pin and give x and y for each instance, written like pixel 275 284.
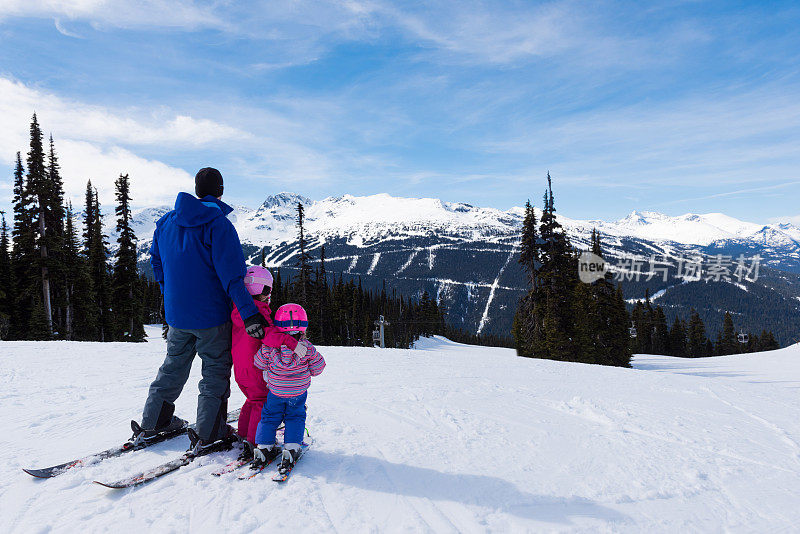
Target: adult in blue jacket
pixel 197 259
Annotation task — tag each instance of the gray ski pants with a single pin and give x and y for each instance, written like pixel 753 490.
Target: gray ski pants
pixel 214 347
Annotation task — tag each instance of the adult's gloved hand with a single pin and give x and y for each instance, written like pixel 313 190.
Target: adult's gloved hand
pixel 254 326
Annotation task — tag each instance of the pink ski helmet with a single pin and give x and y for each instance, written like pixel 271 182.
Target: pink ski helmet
pixel 256 279
pixel 291 318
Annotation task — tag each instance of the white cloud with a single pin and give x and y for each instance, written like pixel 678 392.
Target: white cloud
pixel 294 144
pixel 88 140
pixel 152 182
pixel 64 31
pixel 117 13
pixel 93 123
pixel 303 30
pixel 747 138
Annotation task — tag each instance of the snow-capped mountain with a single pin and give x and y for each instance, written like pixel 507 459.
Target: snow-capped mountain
pixel 466 255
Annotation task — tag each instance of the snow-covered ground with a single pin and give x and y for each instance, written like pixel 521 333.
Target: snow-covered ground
pixel 446 438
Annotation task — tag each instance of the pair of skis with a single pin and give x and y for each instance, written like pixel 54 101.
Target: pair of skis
pixel 158 471
pixel 280 476
pixel 49 472
pixel 187 458
pixel 168 467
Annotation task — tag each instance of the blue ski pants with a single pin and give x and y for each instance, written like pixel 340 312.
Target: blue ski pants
pixel 290 410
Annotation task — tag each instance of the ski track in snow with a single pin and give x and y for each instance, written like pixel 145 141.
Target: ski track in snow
pixel 445 438
pixel 495 284
pixel 375 258
pixel 353 264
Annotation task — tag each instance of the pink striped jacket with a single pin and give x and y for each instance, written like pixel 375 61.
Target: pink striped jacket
pixel 286 374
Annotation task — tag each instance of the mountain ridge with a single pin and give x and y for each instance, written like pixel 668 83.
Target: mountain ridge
pixel 464 255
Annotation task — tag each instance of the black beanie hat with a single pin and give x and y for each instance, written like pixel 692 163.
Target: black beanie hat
pixel 208 181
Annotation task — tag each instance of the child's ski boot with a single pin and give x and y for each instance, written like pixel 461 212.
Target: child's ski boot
pixel 263 455
pixel 289 457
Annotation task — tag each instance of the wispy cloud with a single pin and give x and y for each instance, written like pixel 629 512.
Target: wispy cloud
pixel 65 32
pixel 117 13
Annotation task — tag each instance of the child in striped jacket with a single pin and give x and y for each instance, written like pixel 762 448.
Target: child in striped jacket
pixel 288 378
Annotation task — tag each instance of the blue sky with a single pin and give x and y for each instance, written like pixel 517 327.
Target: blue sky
pixel 666 106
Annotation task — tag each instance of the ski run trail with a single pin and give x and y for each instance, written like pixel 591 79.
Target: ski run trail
pixel 444 438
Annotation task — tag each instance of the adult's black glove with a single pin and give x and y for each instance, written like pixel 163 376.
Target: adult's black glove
pixel 254 326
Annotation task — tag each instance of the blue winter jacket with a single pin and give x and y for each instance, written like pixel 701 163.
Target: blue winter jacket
pixel 198 260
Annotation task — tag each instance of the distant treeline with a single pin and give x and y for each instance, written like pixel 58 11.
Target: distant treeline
pixel 650 334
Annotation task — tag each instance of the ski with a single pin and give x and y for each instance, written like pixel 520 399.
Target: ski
pixel 169 467
pixel 283 476
pixel 231 467
pixel 50 472
pixel 236 464
pixel 250 473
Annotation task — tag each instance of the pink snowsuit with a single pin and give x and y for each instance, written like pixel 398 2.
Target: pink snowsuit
pixel 249 378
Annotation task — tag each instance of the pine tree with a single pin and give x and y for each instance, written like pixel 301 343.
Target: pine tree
pixel 558 276
pixel 302 290
pixel 729 344
pixel 660 340
pixel 41 190
pixel 529 244
pixel 80 301
pixel 526 323
pixel 54 221
pixel 697 336
pixel 766 341
pixel 677 339
pixel 560 318
pixel 38 329
pixel 611 317
pixel 322 291
pixel 126 295
pixel 96 254
pixel 23 255
pixel 6 281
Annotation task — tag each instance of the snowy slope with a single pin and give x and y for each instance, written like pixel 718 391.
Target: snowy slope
pixel 447 438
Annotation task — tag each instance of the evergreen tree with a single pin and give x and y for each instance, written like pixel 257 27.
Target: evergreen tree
pixel 41 190
pixel 96 254
pixel 80 302
pixel 526 324
pixel 558 276
pixel 23 255
pixel 127 296
pixel 322 292
pixel 697 347
pixel 6 281
pixel 677 338
pixel 529 245
pixel 660 342
pixel 38 329
pixel 302 290
pixel 561 318
pixel 729 343
pixel 54 215
pixel 766 341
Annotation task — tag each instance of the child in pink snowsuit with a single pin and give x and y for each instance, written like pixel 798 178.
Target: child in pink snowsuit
pixel 250 380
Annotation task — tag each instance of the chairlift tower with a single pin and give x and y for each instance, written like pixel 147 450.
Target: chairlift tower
pixel 378 335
